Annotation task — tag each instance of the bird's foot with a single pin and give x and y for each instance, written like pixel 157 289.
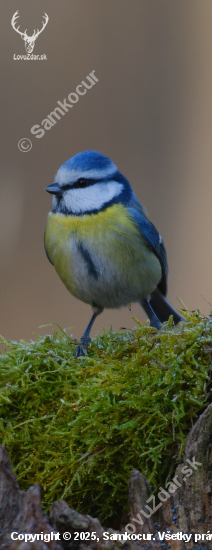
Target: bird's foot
pixel 84 343
pixel 155 323
pixel 80 352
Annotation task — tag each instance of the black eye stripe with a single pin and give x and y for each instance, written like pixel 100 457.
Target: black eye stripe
pixel 81 183
pixel 86 182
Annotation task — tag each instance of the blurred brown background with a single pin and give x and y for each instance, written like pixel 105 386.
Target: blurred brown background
pixel 151 112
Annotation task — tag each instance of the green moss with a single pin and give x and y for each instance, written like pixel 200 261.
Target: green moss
pixel 78 427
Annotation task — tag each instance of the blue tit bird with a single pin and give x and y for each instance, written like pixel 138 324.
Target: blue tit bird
pixel 101 243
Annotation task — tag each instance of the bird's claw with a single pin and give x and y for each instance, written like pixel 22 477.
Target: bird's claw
pixel 80 352
pixel 84 343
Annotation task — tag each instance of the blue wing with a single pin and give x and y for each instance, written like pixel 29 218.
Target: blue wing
pixel 153 240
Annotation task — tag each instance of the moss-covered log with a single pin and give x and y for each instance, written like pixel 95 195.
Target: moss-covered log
pixel 86 428
pixel 187 510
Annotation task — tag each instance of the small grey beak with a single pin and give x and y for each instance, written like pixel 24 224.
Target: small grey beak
pixel 54 189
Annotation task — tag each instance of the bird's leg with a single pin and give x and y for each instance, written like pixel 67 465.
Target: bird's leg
pixel 85 340
pixel 154 321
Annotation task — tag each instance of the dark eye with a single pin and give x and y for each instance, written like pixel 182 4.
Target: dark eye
pixel 82 182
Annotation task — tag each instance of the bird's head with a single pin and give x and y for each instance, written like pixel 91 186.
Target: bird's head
pixel 87 183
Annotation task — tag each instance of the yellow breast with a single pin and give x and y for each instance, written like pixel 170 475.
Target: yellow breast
pixel 108 229
pixel 113 218
pixel 115 245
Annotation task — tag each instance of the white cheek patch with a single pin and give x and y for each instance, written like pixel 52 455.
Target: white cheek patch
pixel 91 198
pixel 65 175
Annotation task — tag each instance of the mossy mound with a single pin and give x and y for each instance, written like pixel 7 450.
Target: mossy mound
pixel 78 427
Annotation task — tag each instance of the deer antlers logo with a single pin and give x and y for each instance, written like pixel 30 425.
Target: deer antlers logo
pixel 29 41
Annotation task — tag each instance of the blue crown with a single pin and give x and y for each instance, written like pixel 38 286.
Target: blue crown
pixel 89 160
